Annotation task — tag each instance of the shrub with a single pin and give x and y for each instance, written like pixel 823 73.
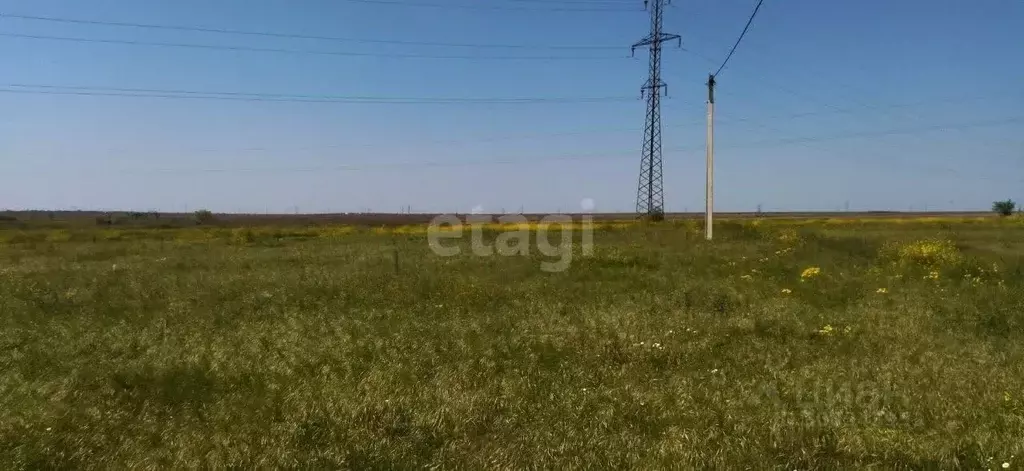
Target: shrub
pixel 242 236
pixel 653 216
pixel 203 216
pixel 1004 208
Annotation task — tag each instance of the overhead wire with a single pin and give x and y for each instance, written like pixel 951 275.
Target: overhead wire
pixel 20 88
pixel 457 6
pixel 186 94
pixel 496 138
pixel 407 164
pixel 740 38
pixel 762 80
pixel 813 139
pixel 45 89
pixel 281 35
pixel 835 108
pixel 581 2
pixel 409 100
pixel 763 143
pixel 888 132
pixel 304 51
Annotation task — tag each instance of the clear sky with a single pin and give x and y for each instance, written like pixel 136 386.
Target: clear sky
pixel 874 104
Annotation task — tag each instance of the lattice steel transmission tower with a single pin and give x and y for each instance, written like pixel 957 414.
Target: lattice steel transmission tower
pixel 650 195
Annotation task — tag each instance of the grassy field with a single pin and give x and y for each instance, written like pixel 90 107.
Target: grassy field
pixel 788 344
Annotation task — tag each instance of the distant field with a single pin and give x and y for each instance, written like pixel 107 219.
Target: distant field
pixel 20 219
pixel 785 343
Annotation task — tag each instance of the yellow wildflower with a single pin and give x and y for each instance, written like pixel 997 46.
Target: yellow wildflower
pixel 810 272
pixel 827 330
pixel 929 253
pixel 882 290
pixel 786 291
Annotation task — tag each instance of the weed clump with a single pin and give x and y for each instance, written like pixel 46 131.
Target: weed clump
pixel 242 236
pixel 934 254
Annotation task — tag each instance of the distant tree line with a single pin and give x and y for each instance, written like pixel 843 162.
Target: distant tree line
pixel 202 216
pixel 111 219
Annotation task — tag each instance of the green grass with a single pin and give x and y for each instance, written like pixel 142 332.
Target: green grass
pixel 163 349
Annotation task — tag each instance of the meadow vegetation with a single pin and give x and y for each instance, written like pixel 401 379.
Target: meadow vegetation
pixel 781 344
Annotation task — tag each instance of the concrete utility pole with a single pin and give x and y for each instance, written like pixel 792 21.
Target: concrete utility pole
pixel 709 187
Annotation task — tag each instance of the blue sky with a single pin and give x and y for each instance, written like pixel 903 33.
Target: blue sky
pixel 872 104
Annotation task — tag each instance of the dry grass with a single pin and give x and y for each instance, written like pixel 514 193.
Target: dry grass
pixel 333 347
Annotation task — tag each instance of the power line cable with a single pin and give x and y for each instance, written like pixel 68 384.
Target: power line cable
pixel 270 97
pixel 742 34
pixel 580 2
pixel 625 153
pixel 835 108
pixel 858 135
pixel 763 80
pixel 858 89
pixel 399 165
pixel 752 121
pixel 493 138
pixel 298 36
pixel 485 139
pixel 173 93
pixel 492 7
pixel 303 51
